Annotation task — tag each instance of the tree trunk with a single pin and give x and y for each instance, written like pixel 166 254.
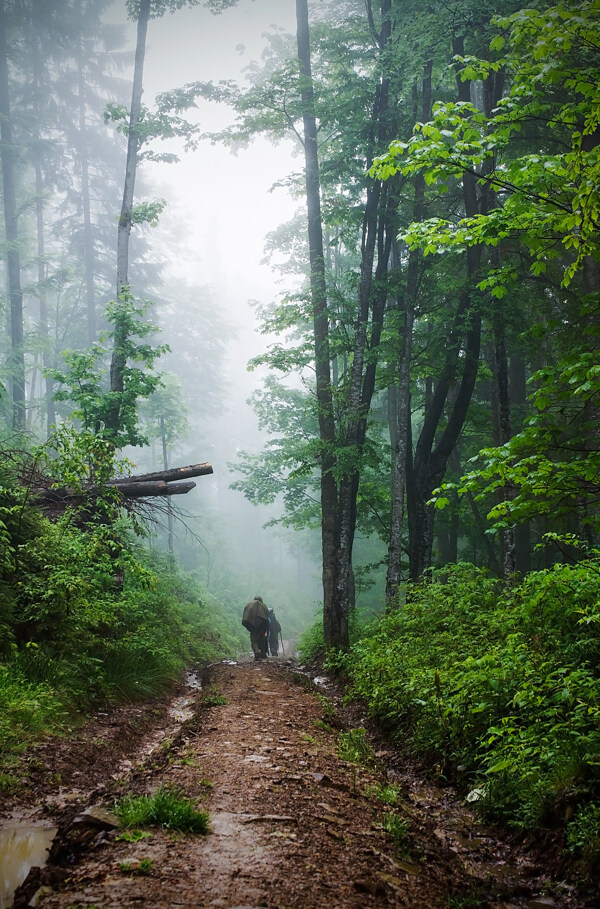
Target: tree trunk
pixel 13 265
pixel 88 236
pixel 430 462
pixel 519 409
pixel 118 360
pixel 335 624
pixel 165 455
pixel 379 232
pixel 403 413
pixel 41 254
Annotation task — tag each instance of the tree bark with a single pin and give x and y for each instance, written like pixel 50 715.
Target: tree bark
pixel 174 473
pixel 40 228
pixel 462 350
pixel 130 490
pixel 379 231
pixel 13 265
pixel 403 413
pixel 88 237
pixel 118 360
pixel 335 623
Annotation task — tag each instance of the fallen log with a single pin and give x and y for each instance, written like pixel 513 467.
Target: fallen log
pixel 175 473
pixel 140 486
pixel 128 491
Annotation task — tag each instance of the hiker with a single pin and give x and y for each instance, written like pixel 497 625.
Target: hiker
pixel 274 632
pixel 256 620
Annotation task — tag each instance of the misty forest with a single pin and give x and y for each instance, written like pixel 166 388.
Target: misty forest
pixel 396 443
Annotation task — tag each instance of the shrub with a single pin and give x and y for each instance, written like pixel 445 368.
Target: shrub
pixel 501 680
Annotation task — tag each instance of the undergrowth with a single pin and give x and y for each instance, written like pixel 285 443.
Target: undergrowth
pixel 502 681
pixel 89 617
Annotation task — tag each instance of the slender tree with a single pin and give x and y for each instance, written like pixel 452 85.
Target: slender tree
pixel 335 623
pixel 11 225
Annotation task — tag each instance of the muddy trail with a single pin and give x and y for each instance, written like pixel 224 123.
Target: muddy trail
pixel 292 824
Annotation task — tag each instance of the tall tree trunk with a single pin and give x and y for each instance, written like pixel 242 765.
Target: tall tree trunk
pixel 38 74
pixel 431 457
pixel 492 91
pixel 379 231
pixel 335 624
pixel 88 235
pixel 403 414
pixel 118 360
pixel 13 265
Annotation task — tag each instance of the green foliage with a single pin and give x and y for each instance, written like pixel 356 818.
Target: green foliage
pixel 583 834
pixel 552 466
pixel 143 867
pixel 499 679
pixel 213 698
pixel 166 807
pixel 311 643
pixel 28 709
pixel 353 747
pixel 83 383
pixel 398 829
pixel 547 196
pixel 86 615
pixel 387 795
pixel 133 836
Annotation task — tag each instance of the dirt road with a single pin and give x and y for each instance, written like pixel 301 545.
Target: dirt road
pixel 293 825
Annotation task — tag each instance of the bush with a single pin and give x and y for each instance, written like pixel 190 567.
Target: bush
pixel 86 618
pixel 500 680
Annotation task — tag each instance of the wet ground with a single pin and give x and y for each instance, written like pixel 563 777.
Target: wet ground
pixel 293 825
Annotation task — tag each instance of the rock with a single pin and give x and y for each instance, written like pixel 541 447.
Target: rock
pixel 99 817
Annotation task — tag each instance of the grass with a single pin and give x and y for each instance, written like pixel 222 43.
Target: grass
pixel 213 698
pixel 166 807
pixel 388 795
pixel 144 867
pixel 397 828
pixel 354 748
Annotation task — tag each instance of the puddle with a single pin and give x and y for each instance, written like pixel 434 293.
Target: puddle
pixel 192 680
pixel 21 848
pixel 181 710
pixel 321 680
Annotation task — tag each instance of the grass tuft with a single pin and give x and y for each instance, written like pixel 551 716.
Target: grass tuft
pixel 167 807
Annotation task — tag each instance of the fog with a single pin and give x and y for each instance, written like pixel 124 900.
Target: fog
pixel 220 207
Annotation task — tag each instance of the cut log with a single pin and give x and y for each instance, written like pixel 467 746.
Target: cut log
pixel 139 490
pixel 135 490
pixel 176 473
pixel 146 485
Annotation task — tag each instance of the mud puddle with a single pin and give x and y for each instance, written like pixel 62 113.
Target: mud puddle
pixel 21 848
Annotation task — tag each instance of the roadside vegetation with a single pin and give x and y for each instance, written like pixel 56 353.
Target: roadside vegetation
pixel 494 687
pixel 90 616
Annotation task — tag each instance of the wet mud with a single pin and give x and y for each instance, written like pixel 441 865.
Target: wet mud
pixel 292 825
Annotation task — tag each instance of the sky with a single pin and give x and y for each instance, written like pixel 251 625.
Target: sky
pixel 222 200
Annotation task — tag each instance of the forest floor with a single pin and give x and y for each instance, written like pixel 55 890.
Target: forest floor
pixel 292 825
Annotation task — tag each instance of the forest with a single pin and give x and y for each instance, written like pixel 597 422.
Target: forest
pixel 424 386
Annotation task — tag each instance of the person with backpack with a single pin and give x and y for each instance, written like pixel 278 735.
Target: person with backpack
pixel 256 620
pixel 274 632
